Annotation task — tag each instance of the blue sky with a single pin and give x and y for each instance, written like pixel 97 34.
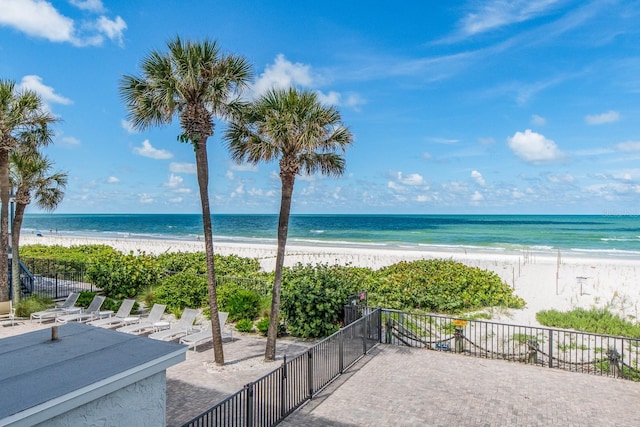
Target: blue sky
pixel 455 107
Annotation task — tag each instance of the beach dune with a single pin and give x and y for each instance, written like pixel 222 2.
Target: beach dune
pixel 544 281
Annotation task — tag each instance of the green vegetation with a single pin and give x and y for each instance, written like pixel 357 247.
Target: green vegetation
pixel 439 286
pixel 244 325
pixel 596 320
pixel 123 276
pixel 262 325
pixel 33 304
pixel 313 296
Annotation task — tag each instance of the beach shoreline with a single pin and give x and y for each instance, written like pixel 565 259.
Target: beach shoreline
pixel 544 280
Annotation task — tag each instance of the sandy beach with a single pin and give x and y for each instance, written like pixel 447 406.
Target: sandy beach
pixel 548 281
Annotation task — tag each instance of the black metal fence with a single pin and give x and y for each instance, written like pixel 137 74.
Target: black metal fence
pixel 554 348
pixel 55 279
pixel 268 400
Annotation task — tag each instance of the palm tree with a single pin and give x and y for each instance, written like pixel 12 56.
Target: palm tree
pixel 195 82
pixel 31 178
pixel 292 127
pixel 21 113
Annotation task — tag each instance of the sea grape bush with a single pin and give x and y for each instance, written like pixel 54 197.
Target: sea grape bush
pixel 439 285
pixel 182 290
pixel 230 265
pixel 123 276
pixel 43 259
pixel 240 304
pixel 313 297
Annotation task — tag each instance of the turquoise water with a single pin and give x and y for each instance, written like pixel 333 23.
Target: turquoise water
pixel 582 234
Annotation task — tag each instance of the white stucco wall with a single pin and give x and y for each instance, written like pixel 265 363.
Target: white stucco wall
pixel 142 403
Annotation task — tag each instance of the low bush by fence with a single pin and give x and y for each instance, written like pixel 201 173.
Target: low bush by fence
pixel 268 400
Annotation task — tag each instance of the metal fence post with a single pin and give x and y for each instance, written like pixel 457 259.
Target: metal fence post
pixel 249 406
pixel 380 325
pixel 310 372
pixel 341 351
pixel 56 285
pixel 283 386
pixel 364 335
pixel 550 348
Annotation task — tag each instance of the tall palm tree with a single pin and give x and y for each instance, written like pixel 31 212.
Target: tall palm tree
pixel 294 128
pixel 197 83
pixel 21 113
pixel 31 177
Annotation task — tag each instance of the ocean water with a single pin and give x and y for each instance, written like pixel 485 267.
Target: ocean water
pixel 614 235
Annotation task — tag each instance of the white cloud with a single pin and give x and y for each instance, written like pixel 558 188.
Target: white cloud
pixel 70 140
pixel 561 178
pixel 486 140
pixel 238 191
pixel 36 18
pixel 39 18
pixel 126 125
pixel 426 156
pixel 494 14
pixel 477 197
pixel 534 147
pixel 392 185
pixel 629 146
pixel 147 150
pixel 112 180
pixel 113 29
pixel 175 181
pixel 477 177
pixel 229 175
pixel 47 93
pixel 599 119
pixel 538 120
pixel 175 200
pixel 182 167
pixel 145 198
pixel 89 5
pixel 243 167
pixel 446 141
pixel 411 179
pixel 282 74
pixel 332 98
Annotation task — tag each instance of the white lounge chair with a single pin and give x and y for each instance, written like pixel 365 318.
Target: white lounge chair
pixel 7 311
pixel 92 312
pixel 67 307
pixel 146 324
pixel 123 313
pixel 205 334
pixel 182 327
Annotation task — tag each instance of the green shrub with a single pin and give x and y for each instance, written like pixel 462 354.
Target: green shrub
pixel 439 286
pixel 263 326
pixel 313 297
pixel 596 320
pixel 33 304
pixel 85 298
pixel 42 259
pixel 242 304
pixel 182 290
pixel 123 276
pixel 226 266
pixel 244 325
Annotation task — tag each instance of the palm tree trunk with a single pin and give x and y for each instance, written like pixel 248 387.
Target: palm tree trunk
pixel 283 230
pixel 202 167
pixel 15 251
pixel 4 225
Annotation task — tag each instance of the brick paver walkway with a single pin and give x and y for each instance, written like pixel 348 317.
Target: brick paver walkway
pixel 194 386
pixel 413 387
